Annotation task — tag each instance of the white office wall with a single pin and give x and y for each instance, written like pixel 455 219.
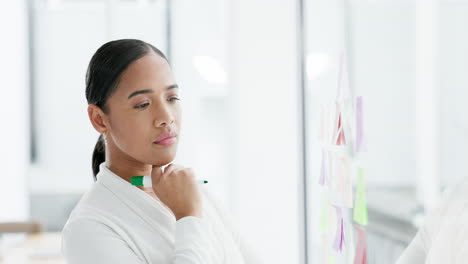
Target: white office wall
pixel 14 111
pixel 383 45
pixel 264 87
pixel 383 69
pixel 453 90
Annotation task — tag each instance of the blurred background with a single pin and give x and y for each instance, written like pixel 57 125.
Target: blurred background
pixel 254 75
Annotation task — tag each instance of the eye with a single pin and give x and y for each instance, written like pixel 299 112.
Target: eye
pixel 175 99
pixel 141 106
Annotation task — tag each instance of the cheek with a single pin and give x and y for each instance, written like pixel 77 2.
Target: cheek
pixel 178 115
pixel 131 134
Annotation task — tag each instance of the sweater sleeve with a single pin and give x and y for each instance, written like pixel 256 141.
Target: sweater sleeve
pixel 419 247
pixel 415 253
pixel 249 253
pixel 191 243
pixel 90 241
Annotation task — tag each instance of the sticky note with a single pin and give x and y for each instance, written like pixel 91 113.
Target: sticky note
pixel 339 128
pixel 361 248
pixel 339 235
pixel 360 205
pixel 341 187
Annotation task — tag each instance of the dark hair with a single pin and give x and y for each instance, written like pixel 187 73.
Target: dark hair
pixel 102 78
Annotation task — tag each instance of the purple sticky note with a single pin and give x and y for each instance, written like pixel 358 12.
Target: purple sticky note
pixel 339 237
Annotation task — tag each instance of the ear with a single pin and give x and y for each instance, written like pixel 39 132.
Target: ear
pixel 98 119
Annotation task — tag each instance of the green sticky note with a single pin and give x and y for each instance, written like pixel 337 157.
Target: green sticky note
pixel 360 204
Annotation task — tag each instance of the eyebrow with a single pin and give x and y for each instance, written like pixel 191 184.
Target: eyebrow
pixel 172 86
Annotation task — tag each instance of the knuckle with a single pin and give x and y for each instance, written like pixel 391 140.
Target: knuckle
pixel 187 171
pixel 190 173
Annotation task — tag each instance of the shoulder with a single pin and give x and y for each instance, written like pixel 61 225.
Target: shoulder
pixel 91 216
pixel 98 203
pixel 89 240
pixel 80 226
pixel 83 233
pixel 85 219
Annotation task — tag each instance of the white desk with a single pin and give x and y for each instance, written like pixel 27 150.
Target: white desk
pixel 36 249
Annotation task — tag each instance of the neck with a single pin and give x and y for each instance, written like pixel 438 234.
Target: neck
pixel 123 165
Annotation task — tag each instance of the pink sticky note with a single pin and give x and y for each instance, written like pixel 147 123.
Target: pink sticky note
pixel 339 236
pixel 340 138
pixel 360 143
pixel 341 182
pixel 361 249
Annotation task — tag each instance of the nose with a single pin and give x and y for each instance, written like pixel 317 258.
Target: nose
pixel 163 116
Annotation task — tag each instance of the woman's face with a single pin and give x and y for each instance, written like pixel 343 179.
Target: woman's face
pixel 136 121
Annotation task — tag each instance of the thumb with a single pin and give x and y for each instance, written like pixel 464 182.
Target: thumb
pixel 156 174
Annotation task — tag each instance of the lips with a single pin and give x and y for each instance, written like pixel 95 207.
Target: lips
pixel 165 136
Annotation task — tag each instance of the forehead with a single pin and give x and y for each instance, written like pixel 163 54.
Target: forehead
pixel 148 72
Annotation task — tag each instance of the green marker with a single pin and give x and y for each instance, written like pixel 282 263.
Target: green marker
pixel 145 181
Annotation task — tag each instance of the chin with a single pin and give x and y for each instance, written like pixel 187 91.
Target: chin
pixel 161 161
pixel 160 157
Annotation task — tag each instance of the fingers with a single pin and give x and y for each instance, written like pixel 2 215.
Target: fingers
pixel 157 173
pixel 171 168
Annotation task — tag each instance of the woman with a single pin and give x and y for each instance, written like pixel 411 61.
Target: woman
pixel 134 103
